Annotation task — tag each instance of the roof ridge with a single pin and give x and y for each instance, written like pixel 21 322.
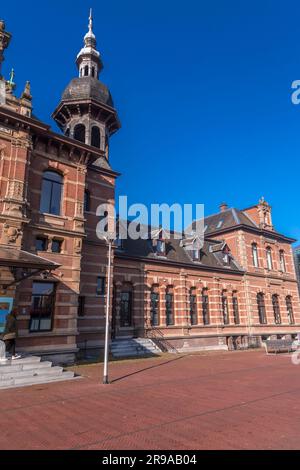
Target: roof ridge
pixel 250 218
pixel 235 215
pixel 218 213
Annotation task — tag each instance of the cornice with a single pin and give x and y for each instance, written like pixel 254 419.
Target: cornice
pixel 246 228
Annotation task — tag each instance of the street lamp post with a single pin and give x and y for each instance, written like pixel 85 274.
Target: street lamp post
pixel 106 345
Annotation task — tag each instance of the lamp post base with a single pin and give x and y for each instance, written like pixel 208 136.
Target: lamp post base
pixel 105 379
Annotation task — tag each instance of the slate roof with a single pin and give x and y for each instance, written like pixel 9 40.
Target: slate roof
pixel 176 253
pixel 101 162
pixel 229 218
pixel 84 88
pixel 20 258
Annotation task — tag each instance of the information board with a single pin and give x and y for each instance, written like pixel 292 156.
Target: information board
pixel 6 304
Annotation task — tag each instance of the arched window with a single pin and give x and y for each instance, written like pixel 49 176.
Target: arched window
pixel 282 261
pixel 261 308
pixel 79 133
pixel 86 71
pixel 93 71
pixel 126 306
pixel 193 307
pixel 225 308
pixel 87 200
pixel 255 255
pixel 154 306
pixel 51 193
pixel 106 147
pixel 269 258
pixel 235 307
pixel 205 307
pixel 289 308
pixel 169 306
pixel 276 309
pixel 95 141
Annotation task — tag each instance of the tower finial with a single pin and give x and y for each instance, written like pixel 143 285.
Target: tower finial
pixel 90 38
pixel 89 60
pixel 26 93
pixel 91 20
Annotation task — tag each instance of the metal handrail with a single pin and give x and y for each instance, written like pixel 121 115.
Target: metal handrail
pixel 157 336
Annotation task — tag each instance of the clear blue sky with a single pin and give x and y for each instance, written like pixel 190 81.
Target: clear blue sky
pixel 202 88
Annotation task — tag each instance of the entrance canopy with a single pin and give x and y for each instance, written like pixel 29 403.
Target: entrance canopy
pixel 23 264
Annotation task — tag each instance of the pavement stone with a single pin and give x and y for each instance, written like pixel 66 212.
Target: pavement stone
pixel 219 400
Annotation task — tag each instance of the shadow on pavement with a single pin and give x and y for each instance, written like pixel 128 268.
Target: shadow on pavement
pixel 147 368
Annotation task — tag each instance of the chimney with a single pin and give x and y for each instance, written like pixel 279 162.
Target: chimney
pixel 223 207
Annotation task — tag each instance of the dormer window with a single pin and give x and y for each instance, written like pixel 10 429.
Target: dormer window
pixel 160 247
pixel 220 223
pixel 226 255
pixel 226 258
pixel 192 245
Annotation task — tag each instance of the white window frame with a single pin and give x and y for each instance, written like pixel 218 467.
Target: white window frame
pixel 269 258
pixel 255 255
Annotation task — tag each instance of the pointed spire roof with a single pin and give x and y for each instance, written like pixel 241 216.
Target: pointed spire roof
pixel 90 44
pixel 90 38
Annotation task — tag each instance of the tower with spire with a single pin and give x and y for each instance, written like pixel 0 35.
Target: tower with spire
pixel 86 111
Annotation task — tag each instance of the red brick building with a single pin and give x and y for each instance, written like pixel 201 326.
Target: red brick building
pixel 241 284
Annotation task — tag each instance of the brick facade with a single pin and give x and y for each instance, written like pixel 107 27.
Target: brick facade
pixel 29 148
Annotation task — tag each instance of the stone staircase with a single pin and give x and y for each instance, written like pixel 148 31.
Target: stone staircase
pixel 30 371
pixel 133 347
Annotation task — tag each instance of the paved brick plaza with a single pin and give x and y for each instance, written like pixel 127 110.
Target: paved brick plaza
pixel 237 400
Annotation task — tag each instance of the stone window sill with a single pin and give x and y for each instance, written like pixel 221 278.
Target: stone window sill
pixel 54 216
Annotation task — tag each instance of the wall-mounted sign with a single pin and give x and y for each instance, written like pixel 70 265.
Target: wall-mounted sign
pixel 6 304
